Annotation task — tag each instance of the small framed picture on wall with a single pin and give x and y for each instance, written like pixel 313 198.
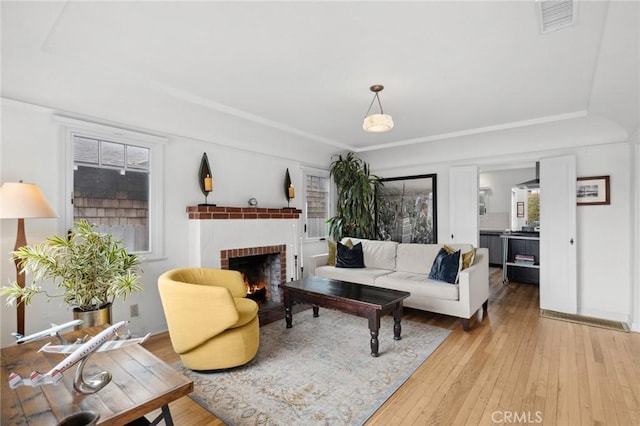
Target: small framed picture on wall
pixel 591 191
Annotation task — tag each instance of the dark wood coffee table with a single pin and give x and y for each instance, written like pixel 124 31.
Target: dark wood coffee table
pixel 356 299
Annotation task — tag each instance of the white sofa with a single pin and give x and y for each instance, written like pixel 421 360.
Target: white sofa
pixel 406 267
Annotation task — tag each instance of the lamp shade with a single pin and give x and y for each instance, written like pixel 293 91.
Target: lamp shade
pixel 377 123
pixel 22 201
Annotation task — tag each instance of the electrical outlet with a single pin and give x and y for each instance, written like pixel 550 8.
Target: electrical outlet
pixel 133 310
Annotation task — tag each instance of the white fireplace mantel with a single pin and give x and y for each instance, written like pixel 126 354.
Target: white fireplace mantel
pixel 207 237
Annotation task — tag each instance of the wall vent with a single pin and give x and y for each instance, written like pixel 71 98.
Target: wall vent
pixel 556 14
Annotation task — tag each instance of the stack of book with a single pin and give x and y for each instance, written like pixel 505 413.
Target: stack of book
pixel 527 259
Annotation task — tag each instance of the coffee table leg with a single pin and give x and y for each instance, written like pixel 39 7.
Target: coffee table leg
pixel 397 315
pixel 374 327
pixel 287 309
pixel 316 309
pixel 287 316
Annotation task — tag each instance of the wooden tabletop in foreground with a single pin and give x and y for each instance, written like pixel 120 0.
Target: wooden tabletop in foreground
pixel 141 383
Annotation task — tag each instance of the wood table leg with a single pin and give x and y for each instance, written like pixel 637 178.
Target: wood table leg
pixel 287 316
pixel 397 316
pixel 374 327
pixel 287 309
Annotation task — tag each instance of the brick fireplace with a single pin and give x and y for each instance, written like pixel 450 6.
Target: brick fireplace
pixel 219 234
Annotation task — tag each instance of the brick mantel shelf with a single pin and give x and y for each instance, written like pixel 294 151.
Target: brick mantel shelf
pixel 221 212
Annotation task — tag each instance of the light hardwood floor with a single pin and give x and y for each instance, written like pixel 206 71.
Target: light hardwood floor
pixel 513 367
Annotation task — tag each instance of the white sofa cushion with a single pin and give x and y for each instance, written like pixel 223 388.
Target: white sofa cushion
pixel 418 284
pixel 377 254
pixel 418 258
pixel 354 275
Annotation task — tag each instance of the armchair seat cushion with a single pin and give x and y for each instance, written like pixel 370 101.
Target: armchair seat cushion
pixel 247 310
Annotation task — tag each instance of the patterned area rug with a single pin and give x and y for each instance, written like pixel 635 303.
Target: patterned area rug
pixel 318 372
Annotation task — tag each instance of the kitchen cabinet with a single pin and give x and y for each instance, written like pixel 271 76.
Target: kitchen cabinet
pixel 491 240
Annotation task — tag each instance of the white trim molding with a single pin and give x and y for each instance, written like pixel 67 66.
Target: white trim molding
pixel 70 126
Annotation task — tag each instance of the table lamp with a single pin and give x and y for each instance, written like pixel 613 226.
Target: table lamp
pixel 23 201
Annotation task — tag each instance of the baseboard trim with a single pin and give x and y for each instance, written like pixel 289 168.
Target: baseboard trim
pixel 581 319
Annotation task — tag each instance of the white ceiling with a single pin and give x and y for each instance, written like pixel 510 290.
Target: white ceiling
pixel 304 68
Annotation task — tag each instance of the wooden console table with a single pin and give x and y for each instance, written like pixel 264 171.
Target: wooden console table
pixel 141 383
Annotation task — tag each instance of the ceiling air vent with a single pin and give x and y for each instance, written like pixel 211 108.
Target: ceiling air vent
pixel 556 14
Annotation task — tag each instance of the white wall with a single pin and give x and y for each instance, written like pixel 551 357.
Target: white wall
pixel 636 246
pixel 605 233
pixel 29 151
pixel 605 236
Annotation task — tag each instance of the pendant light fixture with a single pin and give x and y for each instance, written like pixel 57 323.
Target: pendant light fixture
pixel 377 123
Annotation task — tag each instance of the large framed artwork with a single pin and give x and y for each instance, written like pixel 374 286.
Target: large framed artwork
pixel 407 209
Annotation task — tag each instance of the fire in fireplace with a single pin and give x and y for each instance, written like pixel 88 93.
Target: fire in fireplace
pixel 264 269
pixel 259 272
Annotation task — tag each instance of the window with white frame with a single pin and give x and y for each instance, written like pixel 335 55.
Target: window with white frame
pixel 317 202
pixel 115 181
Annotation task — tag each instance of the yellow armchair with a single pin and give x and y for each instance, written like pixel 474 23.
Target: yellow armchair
pixel 212 325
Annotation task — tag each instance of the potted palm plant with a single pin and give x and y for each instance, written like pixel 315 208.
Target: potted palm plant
pixel 89 267
pixel 358 193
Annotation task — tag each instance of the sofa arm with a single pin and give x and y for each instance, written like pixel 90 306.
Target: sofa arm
pixel 315 261
pixel 474 284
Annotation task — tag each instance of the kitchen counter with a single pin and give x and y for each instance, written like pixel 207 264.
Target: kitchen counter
pixel 517 234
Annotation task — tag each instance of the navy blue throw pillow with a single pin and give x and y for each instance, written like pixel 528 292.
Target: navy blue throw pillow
pixel 349 257
pixel 446 267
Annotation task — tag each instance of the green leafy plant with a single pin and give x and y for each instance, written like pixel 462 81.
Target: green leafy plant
pixel 89 267
pixel 358 193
